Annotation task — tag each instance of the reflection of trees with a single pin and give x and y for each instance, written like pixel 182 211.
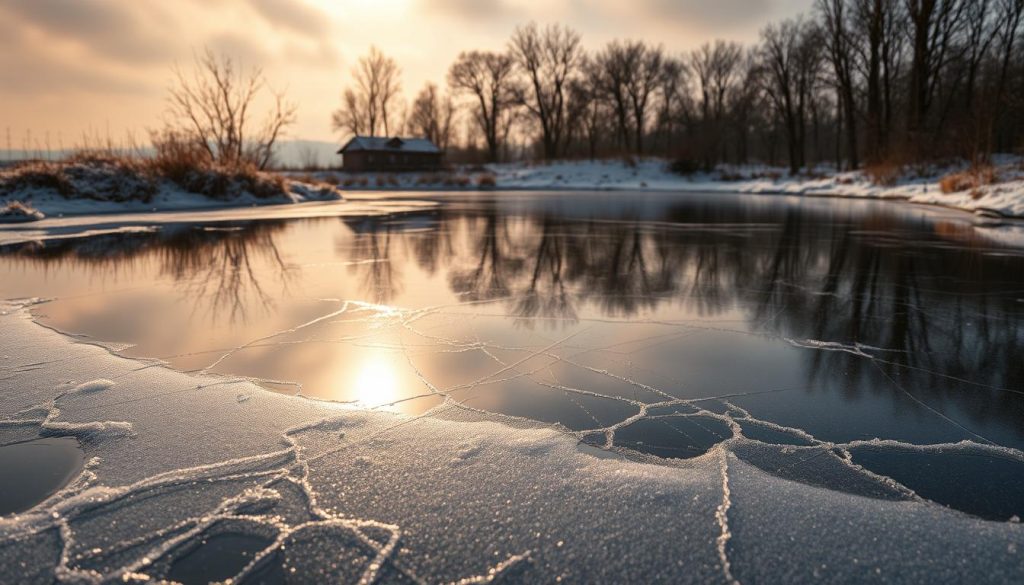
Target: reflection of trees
pixel 791 275
pixel 216 264
pixel 546 292
pixel 224 269
pixel 371 254
pixel 869 279
pixel 493 262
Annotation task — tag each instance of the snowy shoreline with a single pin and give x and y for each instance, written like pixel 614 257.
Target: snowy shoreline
pixel 1003 199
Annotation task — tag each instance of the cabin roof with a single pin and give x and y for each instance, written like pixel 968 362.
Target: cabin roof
pixel 393 144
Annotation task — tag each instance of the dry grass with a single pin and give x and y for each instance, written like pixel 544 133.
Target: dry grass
pixel 190 166
pixel 884 173
pixel 430 179
pixel 85 175
pixel 970 180
pixel 457 181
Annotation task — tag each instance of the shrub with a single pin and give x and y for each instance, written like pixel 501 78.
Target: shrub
pixel 684 166
pixel 488 181
pixel 730 176
pixel 457 181
pixel 429 179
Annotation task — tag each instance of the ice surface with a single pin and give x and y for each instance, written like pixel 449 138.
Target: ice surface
pixel 315 491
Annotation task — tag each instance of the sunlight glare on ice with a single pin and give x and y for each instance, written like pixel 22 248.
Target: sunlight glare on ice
pixel 375 383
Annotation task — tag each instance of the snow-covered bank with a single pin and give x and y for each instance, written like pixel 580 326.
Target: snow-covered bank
pixel 106 185
pixel 1005 197
pixel 341 495
pixel 18 212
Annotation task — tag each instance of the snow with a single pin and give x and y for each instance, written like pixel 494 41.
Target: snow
pixel 167 198
pixel 1005 198
pixel 456 495
pixel 17 212
pixel 104 185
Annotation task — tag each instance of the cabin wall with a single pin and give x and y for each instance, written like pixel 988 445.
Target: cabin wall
pixel 365 161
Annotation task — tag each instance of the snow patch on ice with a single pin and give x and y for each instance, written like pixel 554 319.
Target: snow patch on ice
pixel 93 386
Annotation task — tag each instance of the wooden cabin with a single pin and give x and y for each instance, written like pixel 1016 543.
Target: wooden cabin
pixel 382 154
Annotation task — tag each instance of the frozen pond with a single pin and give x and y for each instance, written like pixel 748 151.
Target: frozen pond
pixel 885 336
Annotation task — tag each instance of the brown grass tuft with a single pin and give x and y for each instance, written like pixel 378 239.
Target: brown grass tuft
pixel 970 180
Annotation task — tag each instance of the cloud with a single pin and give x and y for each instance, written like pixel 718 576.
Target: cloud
pixel 719 13
pixel 41 72
pixel 293 15
pixel 121 31
pixel 242 49
pixel 473 9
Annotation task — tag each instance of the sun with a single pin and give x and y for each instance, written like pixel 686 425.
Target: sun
pixel 375 383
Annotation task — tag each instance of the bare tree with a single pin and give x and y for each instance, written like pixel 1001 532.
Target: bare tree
pixel 549 59
pixel 612 70
pixel 642 84
pixel 839 44
pixel 211 107
pixel 791 60
pixel 934 25
pixel 432 116
pixel 588 111
pixel 369 108
pixel 715 68
pixel 880 37
pixel 487 77
pixel 671 89
pixel 745 101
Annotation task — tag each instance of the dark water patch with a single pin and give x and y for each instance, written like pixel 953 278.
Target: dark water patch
pixel 217 558
pixel 816 466
pixel 673 437
pixel 32 471
pixel 969 480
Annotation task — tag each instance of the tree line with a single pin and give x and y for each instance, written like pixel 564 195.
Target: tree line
pixel 852 82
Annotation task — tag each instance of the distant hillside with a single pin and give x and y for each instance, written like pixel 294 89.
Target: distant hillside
pixel 301 153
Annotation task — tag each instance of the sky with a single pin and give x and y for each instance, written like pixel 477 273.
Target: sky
pixel 70 68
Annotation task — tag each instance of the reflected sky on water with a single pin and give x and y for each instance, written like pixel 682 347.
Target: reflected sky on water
pixel 847 320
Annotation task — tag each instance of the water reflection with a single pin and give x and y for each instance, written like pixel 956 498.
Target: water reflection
pixel 883 321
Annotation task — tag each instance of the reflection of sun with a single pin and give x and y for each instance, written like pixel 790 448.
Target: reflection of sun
pixel 375 383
